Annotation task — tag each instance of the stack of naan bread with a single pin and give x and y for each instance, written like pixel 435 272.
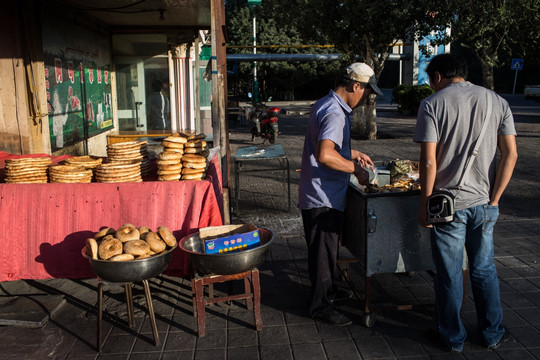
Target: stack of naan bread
pixel 69 174
pixel 27 170
pixel 85 161
pixel 126 162
pixel 183 158
pixel 127 152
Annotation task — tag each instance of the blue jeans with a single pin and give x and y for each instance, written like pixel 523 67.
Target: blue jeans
pixel 471 229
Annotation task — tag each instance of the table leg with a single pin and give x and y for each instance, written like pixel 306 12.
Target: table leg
pixel 256 299
pixel 288 183
pixel 151 312
pixel 247 290
pixel 236 184
pixel 193 296
pixel 367 293
pixel 210 291
pixel 199 293
pixel 129 303
pixel 100 316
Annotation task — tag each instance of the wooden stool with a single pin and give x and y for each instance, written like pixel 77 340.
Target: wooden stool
pixel 252 294
pixel 129 304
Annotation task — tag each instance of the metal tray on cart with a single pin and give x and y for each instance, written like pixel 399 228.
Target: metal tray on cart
pixel 383 234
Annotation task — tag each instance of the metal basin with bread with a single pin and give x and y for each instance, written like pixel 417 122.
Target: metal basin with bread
pixel 132 270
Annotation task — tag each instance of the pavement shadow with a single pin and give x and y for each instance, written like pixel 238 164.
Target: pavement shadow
pixel 65 259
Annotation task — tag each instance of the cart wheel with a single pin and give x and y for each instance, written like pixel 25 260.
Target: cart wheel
pixel 369 320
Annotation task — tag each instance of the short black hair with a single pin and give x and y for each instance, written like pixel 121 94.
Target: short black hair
pixel 157 85
pixel 346 82
pixel 448 65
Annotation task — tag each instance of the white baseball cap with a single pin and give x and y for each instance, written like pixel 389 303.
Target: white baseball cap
pixel 363 73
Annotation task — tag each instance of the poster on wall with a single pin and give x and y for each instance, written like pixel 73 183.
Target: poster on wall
pixel 77 62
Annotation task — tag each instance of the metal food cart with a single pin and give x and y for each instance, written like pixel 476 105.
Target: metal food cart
pixel 383 234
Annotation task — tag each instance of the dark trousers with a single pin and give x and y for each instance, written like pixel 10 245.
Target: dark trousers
pixel 322 228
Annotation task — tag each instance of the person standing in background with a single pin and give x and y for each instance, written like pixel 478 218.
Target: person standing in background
pixel 157 108
pixel 448 125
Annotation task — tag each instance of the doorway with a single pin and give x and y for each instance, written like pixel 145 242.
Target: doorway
pixel 134 80
pixel 141 61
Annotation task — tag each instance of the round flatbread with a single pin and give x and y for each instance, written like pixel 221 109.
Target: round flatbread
pixel 191 144
pixel 169 177
pixel 198 136
pixel 169 155
pixel 176 167
pixel 169 150
pixel 168 162
pixel 194 165
pixel 188 171
pixel 170 144
pixel 193 150
pixel 168 172
pixel 194 158
pixel 176 139
pixel 193 176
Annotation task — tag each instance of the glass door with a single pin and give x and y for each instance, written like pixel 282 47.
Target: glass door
pixel 140 83
pixel 130 90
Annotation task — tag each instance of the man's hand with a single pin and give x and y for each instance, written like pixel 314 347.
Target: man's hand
pixel 422 217
pixel 361 158
pixel 361 174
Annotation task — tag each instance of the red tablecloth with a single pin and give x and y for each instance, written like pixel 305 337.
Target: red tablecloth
pixel 43 227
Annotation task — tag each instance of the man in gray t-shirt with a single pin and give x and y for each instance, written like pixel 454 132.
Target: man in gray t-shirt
pixel 448 125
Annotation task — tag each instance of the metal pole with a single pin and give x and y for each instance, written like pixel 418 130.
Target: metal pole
pixel 515 80
pixel 255 84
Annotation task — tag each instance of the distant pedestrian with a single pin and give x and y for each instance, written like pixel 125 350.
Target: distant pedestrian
pixel 327 163
pixel 448 125
pixel 157 108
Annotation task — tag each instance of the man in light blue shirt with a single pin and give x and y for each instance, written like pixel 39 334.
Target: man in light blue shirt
pixel 327 162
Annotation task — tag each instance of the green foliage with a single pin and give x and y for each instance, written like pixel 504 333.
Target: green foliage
pixel 409 97
pixel 276 25
pixel 369 28
pixel 495 31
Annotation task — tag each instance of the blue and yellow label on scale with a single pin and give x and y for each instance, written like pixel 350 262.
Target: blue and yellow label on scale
pixel 232 243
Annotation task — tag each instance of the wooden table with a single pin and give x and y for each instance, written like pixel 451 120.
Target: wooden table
pixel 124 136
pixel 275 159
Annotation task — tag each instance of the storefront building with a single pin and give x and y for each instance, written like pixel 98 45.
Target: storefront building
pixel 73 72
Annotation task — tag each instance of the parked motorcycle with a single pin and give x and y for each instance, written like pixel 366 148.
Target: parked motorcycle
pixel 264 122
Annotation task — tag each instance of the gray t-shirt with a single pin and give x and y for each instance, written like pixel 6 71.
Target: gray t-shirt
pixel 453 119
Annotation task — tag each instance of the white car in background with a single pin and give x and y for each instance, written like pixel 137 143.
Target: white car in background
pixel 532 92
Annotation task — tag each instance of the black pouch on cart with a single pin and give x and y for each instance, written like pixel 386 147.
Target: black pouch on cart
pixel 440 207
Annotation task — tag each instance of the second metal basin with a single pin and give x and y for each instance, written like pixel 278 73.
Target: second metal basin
pixel 229 263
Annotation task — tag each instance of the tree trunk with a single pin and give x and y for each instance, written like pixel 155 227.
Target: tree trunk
pixel 487 74
pixel 364 120
pixel 358 119
pixel 371 118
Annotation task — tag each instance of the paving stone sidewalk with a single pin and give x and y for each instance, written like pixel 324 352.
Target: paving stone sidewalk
pixel 288 331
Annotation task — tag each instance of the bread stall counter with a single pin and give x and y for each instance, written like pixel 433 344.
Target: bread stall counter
pixel 123 136
pixel 44 226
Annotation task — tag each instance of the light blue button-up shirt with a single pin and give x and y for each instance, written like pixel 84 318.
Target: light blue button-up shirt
pixel 321 186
